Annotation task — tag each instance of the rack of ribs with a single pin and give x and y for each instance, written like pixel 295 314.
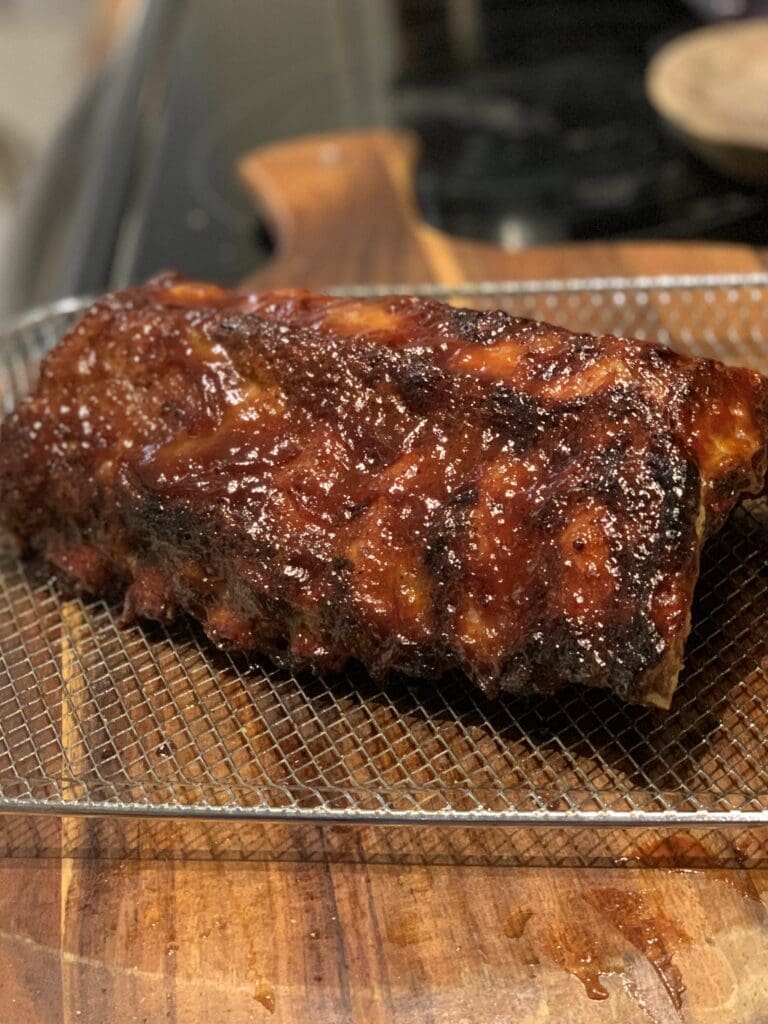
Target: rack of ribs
pixel 420 488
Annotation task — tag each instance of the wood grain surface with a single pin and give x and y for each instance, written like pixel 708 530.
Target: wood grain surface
pixel 183 922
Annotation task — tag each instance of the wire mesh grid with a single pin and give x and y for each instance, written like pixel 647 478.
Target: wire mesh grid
pixel 153 720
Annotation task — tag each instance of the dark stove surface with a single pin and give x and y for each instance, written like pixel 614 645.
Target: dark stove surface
pixel 558 142
pixel 520 169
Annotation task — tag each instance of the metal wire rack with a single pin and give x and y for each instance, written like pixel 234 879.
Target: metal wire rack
pixel 150 720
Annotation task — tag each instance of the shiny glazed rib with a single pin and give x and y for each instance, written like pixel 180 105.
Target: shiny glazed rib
pixel 396 481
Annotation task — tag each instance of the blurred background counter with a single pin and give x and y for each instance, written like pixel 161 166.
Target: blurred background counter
pixel 121 122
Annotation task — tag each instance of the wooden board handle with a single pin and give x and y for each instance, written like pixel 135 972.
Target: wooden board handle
pixel 347 200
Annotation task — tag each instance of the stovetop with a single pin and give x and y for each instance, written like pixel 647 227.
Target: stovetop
pixel 550 137
pixel 521 162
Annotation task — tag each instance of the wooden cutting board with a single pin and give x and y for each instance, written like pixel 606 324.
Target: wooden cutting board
pixel 343 210
pixel 145 922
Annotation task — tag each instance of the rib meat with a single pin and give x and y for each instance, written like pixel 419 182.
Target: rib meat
pixel 396 481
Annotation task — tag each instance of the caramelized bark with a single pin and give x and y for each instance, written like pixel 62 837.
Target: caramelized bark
pixel 415 486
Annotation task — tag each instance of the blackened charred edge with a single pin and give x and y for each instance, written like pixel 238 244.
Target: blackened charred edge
pixel 634 648
pixel 626 653
pixel 450 521
pixel 235 329
pixel 680 484
pixel 356 509
pixel 168 535
pixel 515 415
pixel 484 327
pixel 465 497
pixel 421 384
pixel 603 472
pixel 444 564
pixel 436 553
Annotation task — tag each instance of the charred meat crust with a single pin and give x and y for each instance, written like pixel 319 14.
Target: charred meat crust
pixel 416 487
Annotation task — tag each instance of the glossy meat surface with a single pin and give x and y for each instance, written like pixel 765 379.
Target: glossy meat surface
pixel 417 487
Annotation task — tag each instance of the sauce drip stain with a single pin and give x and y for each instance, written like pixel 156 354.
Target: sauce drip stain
pixel 684 851
pixel 264 993
pixel 648 930
pixel 575 953
pixel 405 930
pixel 515 922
